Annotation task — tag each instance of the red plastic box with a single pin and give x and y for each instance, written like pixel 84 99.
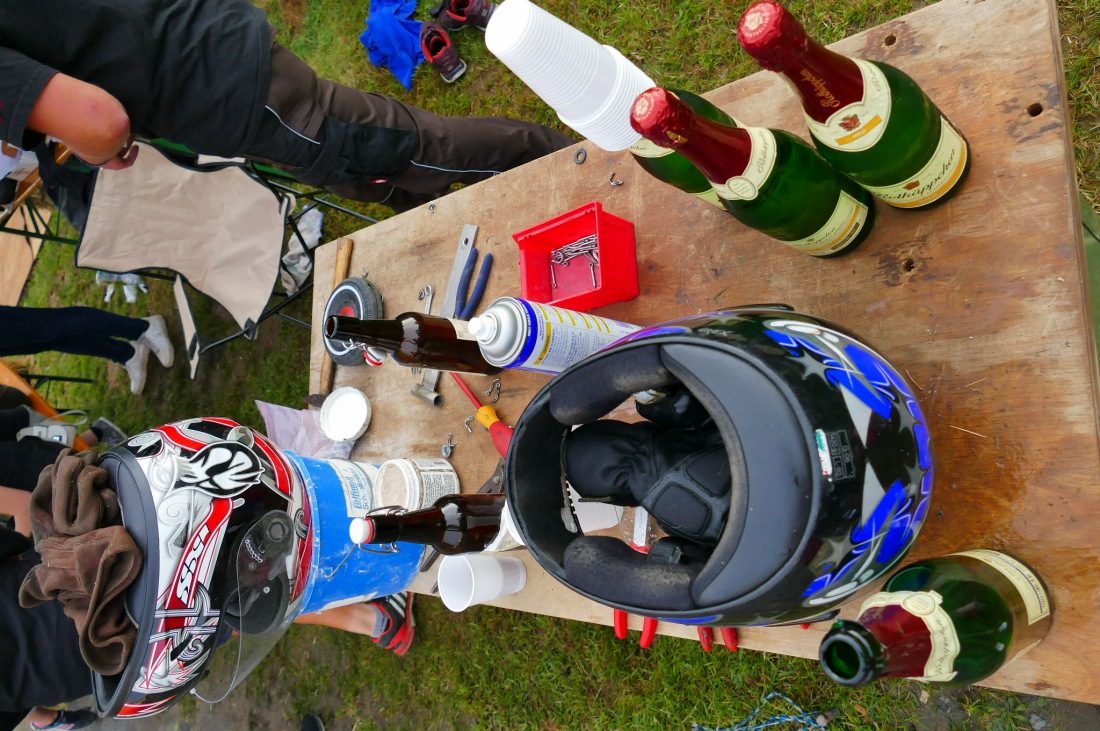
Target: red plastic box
pixel 616 275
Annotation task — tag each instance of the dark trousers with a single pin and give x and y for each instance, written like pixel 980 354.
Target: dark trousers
pixel 373 148
pixel 76 330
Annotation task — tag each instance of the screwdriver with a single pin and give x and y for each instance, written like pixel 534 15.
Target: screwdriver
pixel 487 417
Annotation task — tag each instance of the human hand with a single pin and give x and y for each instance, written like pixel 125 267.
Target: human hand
pixel 123 159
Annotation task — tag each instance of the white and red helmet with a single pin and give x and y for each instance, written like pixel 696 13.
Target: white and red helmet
pixel 224 526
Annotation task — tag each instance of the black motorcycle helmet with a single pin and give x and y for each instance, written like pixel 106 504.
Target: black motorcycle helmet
pixel 829 470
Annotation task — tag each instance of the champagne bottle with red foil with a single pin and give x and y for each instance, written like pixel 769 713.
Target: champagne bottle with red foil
pixel 669 166
pixel 415 339
pixel 767 179
pixel 869 119
pixel 955 619
pixel 455 524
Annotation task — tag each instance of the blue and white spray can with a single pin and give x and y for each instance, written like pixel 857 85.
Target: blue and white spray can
pixel 530 336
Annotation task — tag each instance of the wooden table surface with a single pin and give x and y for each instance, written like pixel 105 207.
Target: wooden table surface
pixel 983 302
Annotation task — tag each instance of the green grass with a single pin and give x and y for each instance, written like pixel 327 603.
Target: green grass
pixel 487 668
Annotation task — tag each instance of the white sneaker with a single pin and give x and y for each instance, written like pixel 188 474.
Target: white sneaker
pixel 156 338
pixel 135 367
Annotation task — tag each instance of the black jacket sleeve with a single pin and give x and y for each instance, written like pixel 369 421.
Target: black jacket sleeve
pixel 21 83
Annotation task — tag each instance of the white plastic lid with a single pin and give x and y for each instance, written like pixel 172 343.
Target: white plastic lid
pixel 483 327
pixel 360 531
pixel 345 414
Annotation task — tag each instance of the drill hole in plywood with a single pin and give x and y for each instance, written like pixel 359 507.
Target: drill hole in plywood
pixel 890 40
pixel 1035 109
pixel 908 264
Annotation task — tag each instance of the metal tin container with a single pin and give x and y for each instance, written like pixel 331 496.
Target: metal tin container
pixel 530 336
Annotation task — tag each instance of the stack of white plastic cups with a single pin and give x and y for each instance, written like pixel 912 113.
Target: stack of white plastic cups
pixel 591 86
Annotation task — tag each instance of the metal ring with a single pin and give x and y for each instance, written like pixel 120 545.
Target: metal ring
pixel 613 181
pixel 580 156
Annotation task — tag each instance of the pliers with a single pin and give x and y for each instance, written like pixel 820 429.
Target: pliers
pixel 465 308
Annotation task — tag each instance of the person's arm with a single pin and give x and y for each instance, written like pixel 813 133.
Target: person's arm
pixel 17 503
pixel 92 122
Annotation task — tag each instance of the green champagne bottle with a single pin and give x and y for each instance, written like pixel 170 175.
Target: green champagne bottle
pixel 866 117
pixel 955 619
pixel 671 167
pixel 767 179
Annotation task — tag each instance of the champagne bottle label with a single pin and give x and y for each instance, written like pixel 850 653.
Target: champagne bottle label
pixel 746 186
pixel 843 226
pixel 462 330
pixel 928 607
pixel 1035 598
pixel 857 126
pixel 934 179
pixel 649 149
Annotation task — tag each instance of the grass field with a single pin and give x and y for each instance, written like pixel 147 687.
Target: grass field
pixel 487 668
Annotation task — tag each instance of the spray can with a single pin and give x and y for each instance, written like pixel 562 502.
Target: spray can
pixel 530 336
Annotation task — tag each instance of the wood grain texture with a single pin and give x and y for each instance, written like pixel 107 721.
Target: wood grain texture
pixel 983 302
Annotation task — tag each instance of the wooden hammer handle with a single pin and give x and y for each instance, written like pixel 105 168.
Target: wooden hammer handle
pixel 339 274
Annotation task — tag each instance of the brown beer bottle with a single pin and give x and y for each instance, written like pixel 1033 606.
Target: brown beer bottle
pixel 455 524
pixel 416 339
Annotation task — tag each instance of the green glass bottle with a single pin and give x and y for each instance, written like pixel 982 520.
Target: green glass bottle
pixel 955 619
pixel 867 118
pixel 671 167
pixel 767 179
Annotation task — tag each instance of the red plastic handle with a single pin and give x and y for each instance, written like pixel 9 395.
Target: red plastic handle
pixel 729 636
pixel 621 630
pixel 706 638
pixel 502 436
pixel 649 632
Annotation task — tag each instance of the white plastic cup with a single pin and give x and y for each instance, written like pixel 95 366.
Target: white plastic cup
pixel 414 484
pixel 594 516
pixel 590 86
pixel 508 537
pixel 475 578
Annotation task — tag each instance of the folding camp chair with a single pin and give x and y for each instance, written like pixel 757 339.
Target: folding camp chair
pixel 218 225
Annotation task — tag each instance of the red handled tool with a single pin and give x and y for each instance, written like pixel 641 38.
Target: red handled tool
pixel 487 417
pixel 729 636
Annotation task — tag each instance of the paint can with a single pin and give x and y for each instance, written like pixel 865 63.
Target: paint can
pixel 531 336
pixel 414 484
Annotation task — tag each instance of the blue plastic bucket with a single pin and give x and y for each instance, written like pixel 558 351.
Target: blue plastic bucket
pixel 340 571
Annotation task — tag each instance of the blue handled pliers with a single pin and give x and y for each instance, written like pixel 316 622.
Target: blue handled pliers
pixel 465 307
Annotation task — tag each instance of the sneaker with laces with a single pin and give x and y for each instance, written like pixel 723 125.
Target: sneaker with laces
pixel 156 338
pixel 68 720
pixel 459 14
pixel 399 633
pixel 440 52
pixel 135 367
pixel 108 431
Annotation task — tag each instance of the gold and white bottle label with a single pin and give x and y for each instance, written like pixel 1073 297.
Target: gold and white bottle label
pixel 928 607
pixel 650 149
pixel 746 186
pixel 935 179
pixel 1035 598
pixel 843 226
pixel 858 126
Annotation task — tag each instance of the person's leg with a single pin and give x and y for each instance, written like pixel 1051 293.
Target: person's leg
pixel 76 330
pixel 373 148
pixel 11 396
pixel 388 620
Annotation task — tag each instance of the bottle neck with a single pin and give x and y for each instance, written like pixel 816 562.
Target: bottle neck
pixel 892 644
pixel 718 150
pixel 825 81
pixel 386 334
pixel 421 526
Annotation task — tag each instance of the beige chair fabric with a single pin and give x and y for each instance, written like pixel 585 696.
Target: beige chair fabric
pixel 221 230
